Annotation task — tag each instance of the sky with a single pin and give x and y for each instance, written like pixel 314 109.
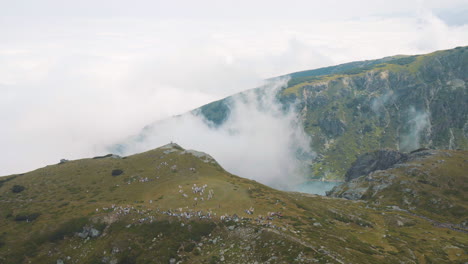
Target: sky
pixel 77 76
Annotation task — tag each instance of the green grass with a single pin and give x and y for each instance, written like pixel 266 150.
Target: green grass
pixel 66 196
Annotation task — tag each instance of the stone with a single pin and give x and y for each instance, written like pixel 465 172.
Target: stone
pixel 94 232
pixel 372 161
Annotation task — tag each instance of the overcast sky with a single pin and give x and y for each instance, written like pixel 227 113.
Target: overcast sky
pixel 78 75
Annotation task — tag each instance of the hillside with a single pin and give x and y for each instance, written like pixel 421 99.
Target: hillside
pixel 400 102
pixel 171 205
pixel 432 183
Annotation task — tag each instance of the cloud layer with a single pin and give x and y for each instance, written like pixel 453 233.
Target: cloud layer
pixel 75 78
pixel 259 140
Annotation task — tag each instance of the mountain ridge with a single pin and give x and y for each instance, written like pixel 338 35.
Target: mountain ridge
pixel 401 103
pixel 398 102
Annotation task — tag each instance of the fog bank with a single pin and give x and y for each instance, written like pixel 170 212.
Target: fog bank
pixel 259 140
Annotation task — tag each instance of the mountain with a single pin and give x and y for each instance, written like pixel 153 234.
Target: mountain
pixel 400 102
pixel 171 205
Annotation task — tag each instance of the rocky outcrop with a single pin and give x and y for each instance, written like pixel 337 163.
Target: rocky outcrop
pixel 369 174
pixel 88 231
pixel 373 172
pixel 377 160
pixel 332 126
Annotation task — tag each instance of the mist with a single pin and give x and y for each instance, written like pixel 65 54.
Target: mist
pixel 417 124
pixel 77 76
pixel 378 103
pixel 259 140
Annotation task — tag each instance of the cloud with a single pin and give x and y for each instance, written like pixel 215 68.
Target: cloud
pixel 417 124
pixel 71 83
pixel 259 140
pixel 378 103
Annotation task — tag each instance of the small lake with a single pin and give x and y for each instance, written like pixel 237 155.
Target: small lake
pixel 316 187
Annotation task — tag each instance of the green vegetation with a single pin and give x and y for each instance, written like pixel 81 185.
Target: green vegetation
pixel 311 228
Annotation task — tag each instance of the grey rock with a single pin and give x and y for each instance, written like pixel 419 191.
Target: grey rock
pixel 372 161
pixel 94 232
pixel 88 231
pixel 332 126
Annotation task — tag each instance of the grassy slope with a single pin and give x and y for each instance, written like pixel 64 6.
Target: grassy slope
pixel 313 227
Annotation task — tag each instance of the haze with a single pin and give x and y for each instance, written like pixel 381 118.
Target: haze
pixel 78 76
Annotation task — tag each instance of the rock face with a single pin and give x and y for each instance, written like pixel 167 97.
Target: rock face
pixel 368 174
pixel 332 126
pixel 374 172
pixel 377 160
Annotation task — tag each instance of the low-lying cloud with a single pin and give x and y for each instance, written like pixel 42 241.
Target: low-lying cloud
pixel 379 103
pixel 76 77
pixel 418 123
pixel 259 140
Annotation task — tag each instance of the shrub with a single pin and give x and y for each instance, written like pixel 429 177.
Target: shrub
pixel 200 229
pixel 214 260
pixel 68 229
pixel 27 217
pixel 189 247
pixel 17 188
pixel 117 172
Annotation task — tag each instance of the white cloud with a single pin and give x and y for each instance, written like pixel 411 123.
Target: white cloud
pixel 258 140
pixel 70 82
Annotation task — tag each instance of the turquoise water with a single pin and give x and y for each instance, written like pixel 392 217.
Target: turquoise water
pixel 316 187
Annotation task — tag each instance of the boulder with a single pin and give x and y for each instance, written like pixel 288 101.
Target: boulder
pixel 89 232
pixel 372 161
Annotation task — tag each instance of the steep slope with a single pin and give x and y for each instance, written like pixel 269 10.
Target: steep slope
pixel 173 205
pixel 400 102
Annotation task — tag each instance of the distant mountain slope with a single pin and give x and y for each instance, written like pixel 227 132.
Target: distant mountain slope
pixel 400 102
pixel 171 205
